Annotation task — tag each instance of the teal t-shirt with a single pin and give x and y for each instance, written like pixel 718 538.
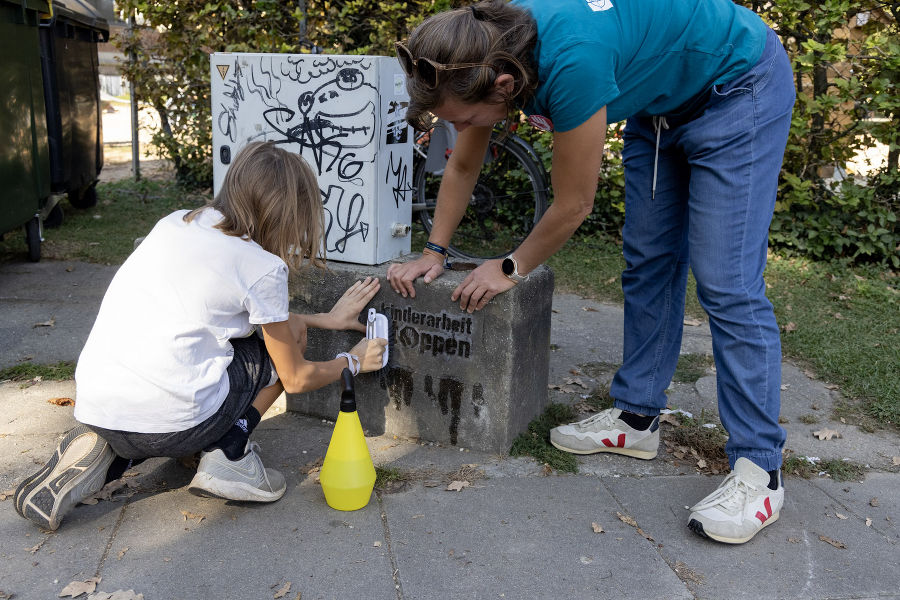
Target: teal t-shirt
pixel 636 57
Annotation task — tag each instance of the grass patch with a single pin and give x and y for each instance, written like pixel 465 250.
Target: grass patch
pixel 692 367
pixel 61 371
pixel 389 476
pixel 536 441
pixel 600 398
pixel 105 234
pixel 837 469
pixel 709 442
pixel 843 323
pixel 809 419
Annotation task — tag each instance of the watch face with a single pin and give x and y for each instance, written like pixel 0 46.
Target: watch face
pixel 508 266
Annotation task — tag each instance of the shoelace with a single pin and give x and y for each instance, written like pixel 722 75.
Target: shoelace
pixel 602 417
pixel 254 448
pixel 731 495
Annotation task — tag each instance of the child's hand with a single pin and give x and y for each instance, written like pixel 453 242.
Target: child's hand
pixel 370 352
pixel 345 312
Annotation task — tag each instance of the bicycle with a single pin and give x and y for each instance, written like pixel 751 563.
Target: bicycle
pixel 509 198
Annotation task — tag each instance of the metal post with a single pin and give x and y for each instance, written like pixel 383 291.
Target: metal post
pixel 135 134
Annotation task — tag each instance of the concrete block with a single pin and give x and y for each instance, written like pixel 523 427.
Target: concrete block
pixel 468 380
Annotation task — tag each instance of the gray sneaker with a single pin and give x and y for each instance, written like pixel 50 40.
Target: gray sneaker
pixel 605 432
pixel 75 471
pixel 244 479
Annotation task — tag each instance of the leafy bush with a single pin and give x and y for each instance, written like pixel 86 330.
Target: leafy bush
pixel 845 53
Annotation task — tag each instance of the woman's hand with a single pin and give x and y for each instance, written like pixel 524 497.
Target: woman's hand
pixel 482 284
pixel 370 353
pixel 345 312
pixel 402 275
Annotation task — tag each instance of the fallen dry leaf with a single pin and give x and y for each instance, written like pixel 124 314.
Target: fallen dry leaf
pixel 630 521
pixel 190 515
pixel 117 595
pixel 834 543
pixel 457 486
pixel 827 434
pixel 283 591
pixel 62 401
pixel 588 309
pixel 122 552
pixel 791 326
pixel 868 522
pixel 76 588
pixel 794 540
pixel 49 323
pixel 693 322
pixel 873 501
pixel 597 528
pixel 670 418
pixel 840 516
pixel 6 494
pixel 107 491
pixel 376 544
pixel 896 460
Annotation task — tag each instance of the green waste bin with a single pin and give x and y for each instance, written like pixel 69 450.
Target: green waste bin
pixel 24 153
pixel 71 74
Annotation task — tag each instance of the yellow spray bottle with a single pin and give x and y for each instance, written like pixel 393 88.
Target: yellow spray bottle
pixel 348 475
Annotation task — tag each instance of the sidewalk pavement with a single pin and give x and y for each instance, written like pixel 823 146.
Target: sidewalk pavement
pixel 517 531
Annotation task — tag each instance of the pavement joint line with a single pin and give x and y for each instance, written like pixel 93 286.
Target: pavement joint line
pixel 654 544
pixel 112 537
pixel 395 569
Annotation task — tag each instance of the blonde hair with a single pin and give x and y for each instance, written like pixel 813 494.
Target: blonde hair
pixel 272 197
pixel 491 32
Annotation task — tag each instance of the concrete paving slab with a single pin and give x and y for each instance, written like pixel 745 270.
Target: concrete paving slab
pixel 37 565
pixel 522 538
pixel 66 294
pixel 249 551
pixel 878 499
pixel 785 560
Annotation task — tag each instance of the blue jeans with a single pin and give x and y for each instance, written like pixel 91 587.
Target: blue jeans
pixel 715 186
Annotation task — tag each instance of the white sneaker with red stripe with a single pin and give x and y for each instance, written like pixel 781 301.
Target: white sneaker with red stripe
pixel 741 505
pixel 606 432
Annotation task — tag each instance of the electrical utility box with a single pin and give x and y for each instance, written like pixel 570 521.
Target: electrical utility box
pixel 346 116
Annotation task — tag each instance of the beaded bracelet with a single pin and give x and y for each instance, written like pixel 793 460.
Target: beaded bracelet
pixel 352 362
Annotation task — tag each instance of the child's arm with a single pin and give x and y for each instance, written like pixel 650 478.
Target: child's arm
pixel 286 343
pixel 345 312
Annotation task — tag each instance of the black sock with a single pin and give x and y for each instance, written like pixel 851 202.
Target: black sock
pixel 118 467
pixel 636 421
pixel 235 439
pixel 774 479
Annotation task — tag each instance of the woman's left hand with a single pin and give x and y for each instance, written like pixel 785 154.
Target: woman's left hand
pixel 345 312
pixel 481 285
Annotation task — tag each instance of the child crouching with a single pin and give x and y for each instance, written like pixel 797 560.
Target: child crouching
pixel 194 342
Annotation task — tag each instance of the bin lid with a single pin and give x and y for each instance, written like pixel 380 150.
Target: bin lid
pixel 42 6
pixel 81 12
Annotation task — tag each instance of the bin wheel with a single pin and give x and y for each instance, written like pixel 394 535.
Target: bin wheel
pixel 85 197
pixel 33 239
pixel 55 218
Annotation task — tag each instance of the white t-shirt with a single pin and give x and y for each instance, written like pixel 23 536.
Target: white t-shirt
pixel 156 357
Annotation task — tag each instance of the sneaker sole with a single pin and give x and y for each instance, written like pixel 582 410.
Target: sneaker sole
pixel 205 485
pixel 46 497
pixel 642 454
pixel 697 527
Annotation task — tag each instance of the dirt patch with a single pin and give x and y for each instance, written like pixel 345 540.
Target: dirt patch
pixel 117 165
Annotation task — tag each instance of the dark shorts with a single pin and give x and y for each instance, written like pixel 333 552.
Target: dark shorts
pixel 249 372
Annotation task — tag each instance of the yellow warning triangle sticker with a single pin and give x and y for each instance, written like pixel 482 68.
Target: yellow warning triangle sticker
pixel 223 70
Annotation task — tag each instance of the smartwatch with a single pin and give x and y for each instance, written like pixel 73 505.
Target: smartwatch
pixel 511 269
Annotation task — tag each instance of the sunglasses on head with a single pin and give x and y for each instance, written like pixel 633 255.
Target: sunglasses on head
pixel 425 69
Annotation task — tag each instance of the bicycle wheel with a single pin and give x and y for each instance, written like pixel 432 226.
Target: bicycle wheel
pixel 509 198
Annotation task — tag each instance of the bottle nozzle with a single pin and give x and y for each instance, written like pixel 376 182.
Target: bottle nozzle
pixel 348 395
